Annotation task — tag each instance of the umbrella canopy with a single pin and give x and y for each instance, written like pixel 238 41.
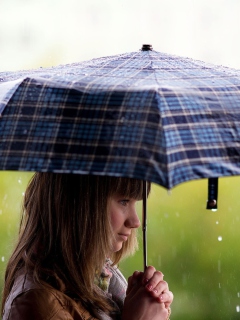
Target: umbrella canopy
pixel 144 114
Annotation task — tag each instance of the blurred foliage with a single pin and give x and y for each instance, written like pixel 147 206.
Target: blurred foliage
pixel 196 249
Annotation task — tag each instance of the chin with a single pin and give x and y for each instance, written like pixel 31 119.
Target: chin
pixel 117 247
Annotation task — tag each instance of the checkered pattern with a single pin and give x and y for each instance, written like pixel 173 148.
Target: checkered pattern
pixel 144 114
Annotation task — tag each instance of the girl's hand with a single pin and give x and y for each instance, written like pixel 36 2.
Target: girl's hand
pixel 148 296
pixel 156 286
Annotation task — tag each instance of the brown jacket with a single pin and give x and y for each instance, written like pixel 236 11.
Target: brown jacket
pixel 29 301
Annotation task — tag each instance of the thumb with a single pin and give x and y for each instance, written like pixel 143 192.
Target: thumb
pixel 133 280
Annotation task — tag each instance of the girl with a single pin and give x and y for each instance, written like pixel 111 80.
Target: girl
pixel 74 230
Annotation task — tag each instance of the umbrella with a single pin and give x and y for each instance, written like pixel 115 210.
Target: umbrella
pixel 145 114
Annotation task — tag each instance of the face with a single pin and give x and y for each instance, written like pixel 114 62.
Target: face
pixel 123 219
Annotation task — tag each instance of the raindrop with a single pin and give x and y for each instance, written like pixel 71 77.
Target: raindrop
pixel 184 279
pixel 217 222
pixel 238 294
pixel 25 131
pixel 220 238
pixel 159 261
pixel 3 259
pixel 182 235
pixel 0 211
pixel 219 266
pixel 238 308
pixel 20 181
pixel 219 285
pixel 23 194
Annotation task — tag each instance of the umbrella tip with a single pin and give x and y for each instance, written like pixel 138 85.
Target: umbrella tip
pixel 147 47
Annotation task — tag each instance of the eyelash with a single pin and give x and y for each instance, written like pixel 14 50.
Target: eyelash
pixel 124 202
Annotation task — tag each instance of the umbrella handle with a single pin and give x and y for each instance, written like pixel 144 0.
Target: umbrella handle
pixel 212 194
pixel 144 224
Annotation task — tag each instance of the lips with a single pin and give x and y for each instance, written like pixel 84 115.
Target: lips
pixel 124 236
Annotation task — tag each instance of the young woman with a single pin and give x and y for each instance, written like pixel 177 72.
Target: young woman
pixel 74 231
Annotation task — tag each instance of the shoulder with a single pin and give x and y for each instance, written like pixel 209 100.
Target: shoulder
pixel 38 304
pixel 28 300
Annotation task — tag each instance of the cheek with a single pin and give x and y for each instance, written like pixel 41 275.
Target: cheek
pixel 116 220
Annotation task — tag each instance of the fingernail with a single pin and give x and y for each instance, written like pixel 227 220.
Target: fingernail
pixel 149 287
pixel 145 280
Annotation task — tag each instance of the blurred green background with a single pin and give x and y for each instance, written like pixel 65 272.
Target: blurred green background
pixel 196 249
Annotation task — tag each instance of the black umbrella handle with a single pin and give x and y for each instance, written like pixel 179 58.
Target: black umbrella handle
pixel 144 224
pixel 212 193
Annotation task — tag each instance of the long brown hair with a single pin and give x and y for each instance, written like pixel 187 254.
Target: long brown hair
pixel 65 233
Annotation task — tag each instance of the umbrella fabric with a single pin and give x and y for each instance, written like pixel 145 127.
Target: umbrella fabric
pixel 144 114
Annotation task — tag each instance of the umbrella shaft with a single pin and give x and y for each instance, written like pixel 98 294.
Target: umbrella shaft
pixel 144 224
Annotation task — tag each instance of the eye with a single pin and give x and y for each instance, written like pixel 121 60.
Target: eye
pixel 124 202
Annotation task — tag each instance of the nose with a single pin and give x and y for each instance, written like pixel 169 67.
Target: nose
pixel 133 220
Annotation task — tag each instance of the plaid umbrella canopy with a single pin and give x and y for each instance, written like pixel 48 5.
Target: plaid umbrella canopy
pixel 144 114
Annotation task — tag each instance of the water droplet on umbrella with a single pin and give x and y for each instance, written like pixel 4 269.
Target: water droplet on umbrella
pixel 220 238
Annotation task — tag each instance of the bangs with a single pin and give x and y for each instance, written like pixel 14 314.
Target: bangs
pixel 129 187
